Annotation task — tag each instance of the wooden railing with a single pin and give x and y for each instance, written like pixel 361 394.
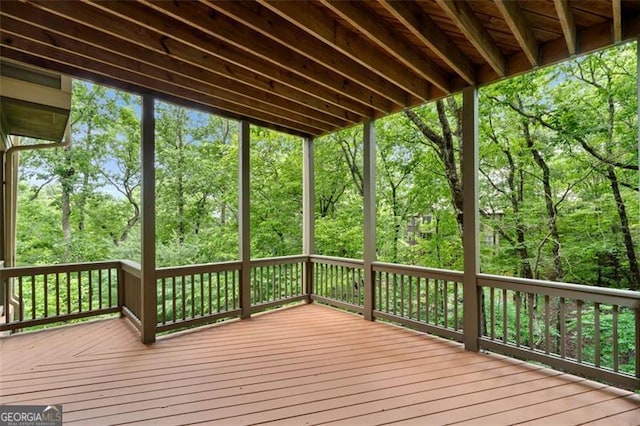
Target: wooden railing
pixel 197 294
pixel 338 282
pixel 591 331
pixel 426 299
pixel 57 293
pixel 277 281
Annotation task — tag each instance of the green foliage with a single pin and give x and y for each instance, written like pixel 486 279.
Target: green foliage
pixel 83 203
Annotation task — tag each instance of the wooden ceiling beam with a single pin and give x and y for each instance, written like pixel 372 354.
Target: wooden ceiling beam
pixel 193 24
pixel 143 83
pixel 617 20
pixel 428 32
pixel 517 23
pixel 460 13
pixel 395 46
pixel 109 81
pixel 273 26
pixel 155 64
pixel 221 58
pixel 309 18
pixel 565 15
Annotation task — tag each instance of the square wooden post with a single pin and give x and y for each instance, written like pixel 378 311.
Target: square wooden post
pixel 470 218
pixel 148 314
pixel 369 186
pixel 308 214
pixel 244 236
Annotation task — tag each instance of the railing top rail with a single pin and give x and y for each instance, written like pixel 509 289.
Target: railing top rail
pixel 339 261
pixel 16 271
pixel 420 271
pixel 176 271
pixel 630 299
pixel 131 267
pixel 280 260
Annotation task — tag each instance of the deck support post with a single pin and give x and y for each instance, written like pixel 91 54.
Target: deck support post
pixel 148 314
pixel 308 215
pixel 369 188
pixel 244 140
pixel 470 225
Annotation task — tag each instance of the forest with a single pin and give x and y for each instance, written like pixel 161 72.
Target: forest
pixel 559 182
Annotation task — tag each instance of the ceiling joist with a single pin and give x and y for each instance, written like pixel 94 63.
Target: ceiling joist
pixel 517 23
pixel 463 17
pixel 427 31
pixel 357 16
pixel 565 15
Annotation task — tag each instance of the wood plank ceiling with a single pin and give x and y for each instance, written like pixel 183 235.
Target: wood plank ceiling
pixel 306 67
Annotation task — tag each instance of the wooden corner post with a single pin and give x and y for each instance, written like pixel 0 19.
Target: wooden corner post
pixel 244 236
pixel 148 314
pixel 369 186
pixel 308 214
pixel 470 218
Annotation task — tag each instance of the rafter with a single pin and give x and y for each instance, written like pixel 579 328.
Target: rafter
pixel 11 46
pixel 518 25
pixel 306 17
pixel 271 25
pixel 463 17
pixel 118 51
pixel 565 15
pixel 287 85
pixel 427 31
pixel 617 20
pixel 214 34
pixel 401 50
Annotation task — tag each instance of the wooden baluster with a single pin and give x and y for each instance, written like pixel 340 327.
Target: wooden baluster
pixel 547 324
pixel 427 306
pixel 445 303
pixel 174 296
pixel 563 328
pixel 68 293
pixel 410 278
pixel 492 311
pixel 183 296
pixel 455 305
pixel 436 307
pixel 58 294
pixel 46 295
pixel 616 353
pixel 531 302
pixel 579 330
pixel 596 337
pixel 226 291
pixel 505 328
pixel 402 295
pixel 163 299
pixel 100 288
pixel 419 297
pixel 33 297
pixel 518 307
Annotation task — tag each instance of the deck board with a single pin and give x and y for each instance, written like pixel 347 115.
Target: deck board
pixel 304 365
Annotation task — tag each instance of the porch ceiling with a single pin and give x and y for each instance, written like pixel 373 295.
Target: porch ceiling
pixel 306 67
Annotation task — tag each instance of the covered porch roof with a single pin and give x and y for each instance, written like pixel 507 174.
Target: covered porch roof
pixel 307 67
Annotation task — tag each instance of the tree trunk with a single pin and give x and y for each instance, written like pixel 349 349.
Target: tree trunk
pixel 552 211
pixel 634 279
pixel 66 180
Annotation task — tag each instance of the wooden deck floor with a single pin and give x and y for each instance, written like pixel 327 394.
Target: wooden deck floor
pixel 304 365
